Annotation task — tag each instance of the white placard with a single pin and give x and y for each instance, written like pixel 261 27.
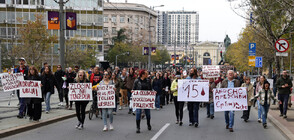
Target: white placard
pixel 80 92
pixel 193 90
pixel 106 96
pixel 271 81
pixel 210 71
pixel 229 99
pixel 143 99
pixel 10 82
pixel 30 89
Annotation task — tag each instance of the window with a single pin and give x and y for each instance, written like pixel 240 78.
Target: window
pixel 105 30
pixel 32 2
pixel 83 18
pixel 89 33
pixel 90 18
pixel 32 17
pixel 100 33
pixel 2 16
pixel 100 48
pixel 122 19
pixel 114 30
pixel 105 18
pixel 113 19
pixel 3 32
pixel 25 2
pixel 2 1
pixel 83 33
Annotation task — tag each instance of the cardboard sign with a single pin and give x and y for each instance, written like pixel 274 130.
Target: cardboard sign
pixel 106 96
pixel 143 99
pixel 209 71
pixel 193 90
pixel 10 82
pixel 80 92
pixel 30 89
pixel 229 99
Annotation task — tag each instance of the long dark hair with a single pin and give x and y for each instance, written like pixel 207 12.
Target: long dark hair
pixel 35 71
pixel 50 72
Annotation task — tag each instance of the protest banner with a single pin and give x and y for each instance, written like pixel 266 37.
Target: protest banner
pixel 193 90
pixel 210 71
pixel 106 96
pixel 143 99
pixel 30 89
pixel 229 99
pixel 80 92
pixel 10 82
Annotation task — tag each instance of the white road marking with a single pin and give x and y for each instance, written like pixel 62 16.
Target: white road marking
pixel 160 132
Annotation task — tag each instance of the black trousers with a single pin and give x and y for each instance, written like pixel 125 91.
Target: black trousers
pixel 65 92
pixel 34 110
pixel 246 113
pixel 179 108
pixel 81 110
pixel 60 94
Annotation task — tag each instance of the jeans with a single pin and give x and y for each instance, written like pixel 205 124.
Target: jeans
pixel 258 110
pixel 210 109
pixel 116 102
pixel 105 112
pixel 81 110
pixel 284 103
pixel 22 107
pixel 47 101
pixel 193 108
pixel 264 109
pixel 229 116
pixel 179 108
pixel 129 99
pixel 157 100
pixel 139 111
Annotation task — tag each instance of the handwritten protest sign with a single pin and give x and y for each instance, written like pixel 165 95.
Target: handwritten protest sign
pixel 80 92
pixel 10 82
pixel 106 96
pixel 142 99
pixel 228 99
pixel 193 90
pixel 30 89
pixel 209 71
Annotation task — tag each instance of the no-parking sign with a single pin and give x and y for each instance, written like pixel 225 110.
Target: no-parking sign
pixel 282 45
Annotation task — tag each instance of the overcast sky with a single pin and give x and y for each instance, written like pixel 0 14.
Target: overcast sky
pixel 215 16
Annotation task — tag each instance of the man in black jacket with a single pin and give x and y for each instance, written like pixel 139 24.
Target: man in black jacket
pixel 24 70
pixel 284 85
pixel 58 76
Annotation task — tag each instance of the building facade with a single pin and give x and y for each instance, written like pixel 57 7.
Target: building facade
pixel 132 17
pixel 89 22
pixel 180 28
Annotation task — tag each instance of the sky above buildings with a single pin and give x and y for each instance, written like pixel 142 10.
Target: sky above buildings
pixel 216 17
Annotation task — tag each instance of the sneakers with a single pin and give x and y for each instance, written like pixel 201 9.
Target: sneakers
pixel 196 125
pixel 110 127
pixel 259 120
pixel 157 109
pixel 231 129
pixel 190 124
pixel 284 116
pixel 19 116
pixel 105 128
pixel 181 123
pixel 177 122
pixel 264 125
pixel 120 108
pixel 211 116
pixel 208 116
pixel 114 113
pixel 134 113
pixel 81 127
pixel 47 112
pixel 129 112
pixel 60 104
pixel 227 126
pixel 78 125
pixel 281 115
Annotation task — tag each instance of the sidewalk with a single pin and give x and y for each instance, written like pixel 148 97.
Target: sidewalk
pixel 10 124
pixel 286 126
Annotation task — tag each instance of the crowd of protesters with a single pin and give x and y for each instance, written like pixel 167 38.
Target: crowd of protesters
pixel 165 83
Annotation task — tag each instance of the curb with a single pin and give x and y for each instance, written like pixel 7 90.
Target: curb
pixel 284 130
pixel 27 127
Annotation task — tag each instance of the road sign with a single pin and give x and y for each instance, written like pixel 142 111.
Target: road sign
pixel 258 62
pixel 252 49
pixel 251 61
pixel 281 54
pixel 282 45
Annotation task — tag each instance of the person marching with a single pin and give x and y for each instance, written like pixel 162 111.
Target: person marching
pixel 58 76
pixel 142 84
pixel 107 111
pixel 230 82
pixel 258 88
pixel 81 105
pixel 210 104
pixel 157 86
pixel 166 82
pixel 117 82
pixel 24 70
pixel 178 105
pixel 69 76
pixel 34 104
pixel 129 85
pixel 193 107
pixel 48 81
pixel 265 95
pixel 250 94
pixel 284 85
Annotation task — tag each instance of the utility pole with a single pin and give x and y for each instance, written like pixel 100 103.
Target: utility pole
pixel 149 49
pixel 61 36
pixel 0 57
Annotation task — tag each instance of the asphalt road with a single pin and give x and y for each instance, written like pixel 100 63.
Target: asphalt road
pixel 163 128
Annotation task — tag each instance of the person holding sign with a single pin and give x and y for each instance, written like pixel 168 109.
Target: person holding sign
pixel 264 96
pixel 230 82
pixel 107 111
pixel 250 94
pixel 178 105
pixel 48 82
pixel 142 84
pixel 81 105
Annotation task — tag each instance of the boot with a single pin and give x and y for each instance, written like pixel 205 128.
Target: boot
pixel 138 126
pixel 148 124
